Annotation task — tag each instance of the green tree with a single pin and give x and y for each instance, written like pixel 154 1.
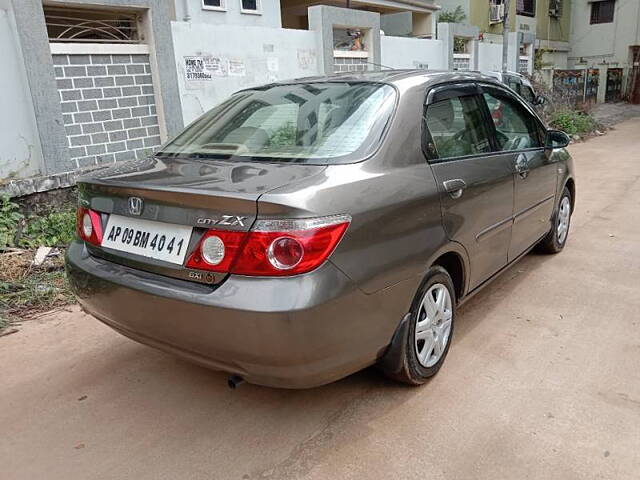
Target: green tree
pixel 452 16
pixel 455 16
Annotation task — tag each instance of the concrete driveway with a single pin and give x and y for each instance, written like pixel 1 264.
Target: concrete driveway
pixel 543 381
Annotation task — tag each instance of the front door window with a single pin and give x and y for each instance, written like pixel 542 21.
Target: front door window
pixel 516 128
pixel 457 128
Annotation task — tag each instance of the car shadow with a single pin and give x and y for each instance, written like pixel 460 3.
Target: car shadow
pixel 496 292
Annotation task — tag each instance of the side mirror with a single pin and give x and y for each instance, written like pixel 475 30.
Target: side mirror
pixel 539 100
pixel 556 139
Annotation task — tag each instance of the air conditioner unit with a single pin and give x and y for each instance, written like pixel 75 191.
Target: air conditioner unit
pixel 496 13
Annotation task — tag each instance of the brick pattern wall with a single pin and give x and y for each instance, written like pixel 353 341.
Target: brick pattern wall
pixel 108 107
pixel 341 64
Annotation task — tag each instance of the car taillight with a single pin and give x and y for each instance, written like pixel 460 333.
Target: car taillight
pixel 271 248
pixel 89 225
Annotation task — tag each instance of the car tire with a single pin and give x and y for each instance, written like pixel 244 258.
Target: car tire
pixel 416 366
pixel 556 239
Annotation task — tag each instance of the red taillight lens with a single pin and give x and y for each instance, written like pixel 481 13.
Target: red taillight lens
pixel 89 225
pixel 274 247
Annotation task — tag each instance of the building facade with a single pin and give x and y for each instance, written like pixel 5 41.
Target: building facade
pixel 605 35
pixel 412 18
pixel 99 81
pixel 248 13
pixel 540 28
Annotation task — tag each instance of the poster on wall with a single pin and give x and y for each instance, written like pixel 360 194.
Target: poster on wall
pixel 203 68
pixel 237 68
pixel 217 66
pixel 195 69
pixel 306 59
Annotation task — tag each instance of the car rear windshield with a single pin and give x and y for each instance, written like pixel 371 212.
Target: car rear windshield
pixel 322 123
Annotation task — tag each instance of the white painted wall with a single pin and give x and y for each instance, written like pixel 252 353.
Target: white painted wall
pixel 231 15
pixel 265 54
pixel 489 57
pixel 20 152
pixel 401 52
pixel 607 42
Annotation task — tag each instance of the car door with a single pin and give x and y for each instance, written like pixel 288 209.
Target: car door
pixel 475 183
pixel 520 137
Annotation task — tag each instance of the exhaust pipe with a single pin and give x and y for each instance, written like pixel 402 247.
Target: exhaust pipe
pixel 234 381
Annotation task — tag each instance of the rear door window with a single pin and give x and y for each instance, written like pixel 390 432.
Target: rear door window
pixel 527 94
pixel 514 84
pixel 516 128
pixel 457 127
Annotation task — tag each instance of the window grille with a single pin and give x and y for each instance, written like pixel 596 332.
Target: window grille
pixel 91 25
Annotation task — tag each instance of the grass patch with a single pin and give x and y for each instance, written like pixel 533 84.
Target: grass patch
pixel 38 292
pixel 26 290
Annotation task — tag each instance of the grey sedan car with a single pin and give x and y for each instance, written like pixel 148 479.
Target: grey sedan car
pixel 304 230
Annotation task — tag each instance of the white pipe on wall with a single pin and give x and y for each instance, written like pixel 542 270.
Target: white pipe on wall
pixel 187 16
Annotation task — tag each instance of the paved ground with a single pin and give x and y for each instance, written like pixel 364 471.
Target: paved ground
pixel 543 381
pixel 610 114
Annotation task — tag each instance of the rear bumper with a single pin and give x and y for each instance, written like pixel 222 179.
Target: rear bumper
pixel 294 332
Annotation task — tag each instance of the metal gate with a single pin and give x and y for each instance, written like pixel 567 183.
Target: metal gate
pixel 592 82
pixel 634 76
pixel 614 85
pixel 576 86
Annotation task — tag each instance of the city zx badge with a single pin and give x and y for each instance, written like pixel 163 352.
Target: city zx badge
pixel 230 220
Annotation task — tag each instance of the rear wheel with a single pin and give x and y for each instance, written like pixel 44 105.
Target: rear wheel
pixel 430 328
pixel 556 239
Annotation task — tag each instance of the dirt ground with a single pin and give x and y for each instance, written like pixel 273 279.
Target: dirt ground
pixel 542 382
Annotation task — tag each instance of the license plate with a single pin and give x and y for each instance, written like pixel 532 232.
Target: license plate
pixel 162 241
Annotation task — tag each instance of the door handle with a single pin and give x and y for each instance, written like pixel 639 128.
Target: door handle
pixel 454 187
pixel 522 166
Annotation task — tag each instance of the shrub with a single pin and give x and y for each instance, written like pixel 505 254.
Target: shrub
pixel 10 218
pixel 573 122
pixel 52 230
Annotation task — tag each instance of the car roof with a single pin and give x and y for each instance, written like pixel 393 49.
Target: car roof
pixel 394 76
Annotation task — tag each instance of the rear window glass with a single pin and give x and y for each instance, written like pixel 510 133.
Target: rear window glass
pixel 311 123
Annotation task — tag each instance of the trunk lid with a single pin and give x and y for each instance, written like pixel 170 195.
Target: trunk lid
pixel 183 192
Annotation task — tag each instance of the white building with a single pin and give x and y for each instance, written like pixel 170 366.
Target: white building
pixel 604 35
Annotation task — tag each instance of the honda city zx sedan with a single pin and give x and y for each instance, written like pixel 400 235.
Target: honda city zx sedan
pixel 302 231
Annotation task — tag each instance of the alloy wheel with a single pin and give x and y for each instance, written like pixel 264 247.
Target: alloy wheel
pixel 433 325
pixel 564 213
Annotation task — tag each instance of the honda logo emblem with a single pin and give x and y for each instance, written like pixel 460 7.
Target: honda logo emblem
pixel 135 205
